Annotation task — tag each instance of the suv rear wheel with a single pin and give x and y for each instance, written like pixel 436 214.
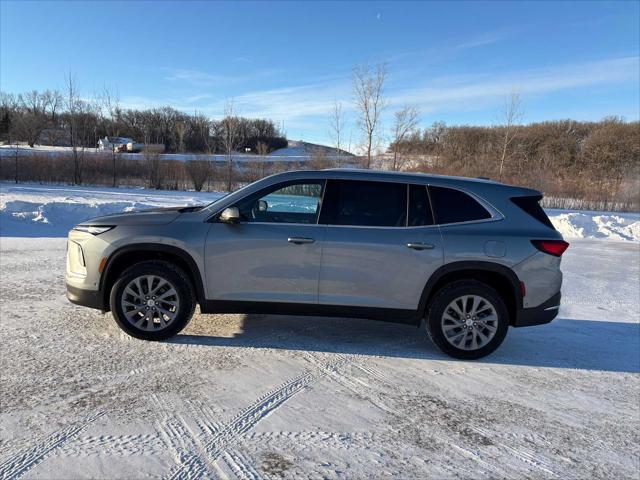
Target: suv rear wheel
pixel 152 300
pixel 467 319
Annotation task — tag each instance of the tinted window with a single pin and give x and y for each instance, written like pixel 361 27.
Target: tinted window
pixel 531 206
pixel 293 202
pixel 419 207
pixel 372 204
pixel 453 206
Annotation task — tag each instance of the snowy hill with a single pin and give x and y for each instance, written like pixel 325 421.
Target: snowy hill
pixel 299 148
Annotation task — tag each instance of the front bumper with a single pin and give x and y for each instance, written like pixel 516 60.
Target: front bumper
pixel 86 298
pixel 539 315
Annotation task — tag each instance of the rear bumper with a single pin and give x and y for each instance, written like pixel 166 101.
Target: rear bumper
pixel 539 315
pixel 86 298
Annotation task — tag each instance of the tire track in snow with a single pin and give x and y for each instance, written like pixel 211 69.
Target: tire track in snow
pixel 180 440
pixel 203 416
pixel 116 445
pixel 522 455
pixel 240 465
pixel 21 463
pixel 229 434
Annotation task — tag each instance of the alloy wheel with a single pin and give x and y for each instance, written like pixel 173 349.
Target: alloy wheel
pixel 150 302
pixel 469 322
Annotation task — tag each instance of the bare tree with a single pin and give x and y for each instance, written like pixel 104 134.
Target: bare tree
pixel 262 149
pixel 405 122
pixel 319 160
pixel 32 120
pixel 336 126
pixel 368 93
pixel 181 130
pixel 511 117
pixel 153 167
pixel 230 138
pixel 110 102
pixel 74 107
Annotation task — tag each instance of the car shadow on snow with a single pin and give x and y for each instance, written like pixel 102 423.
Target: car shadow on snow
pixel 564 343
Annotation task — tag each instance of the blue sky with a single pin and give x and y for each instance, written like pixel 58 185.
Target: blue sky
pixel 290 61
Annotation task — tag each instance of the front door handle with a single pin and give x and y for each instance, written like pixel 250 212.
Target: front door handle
pixel 421 246
pixel 300 240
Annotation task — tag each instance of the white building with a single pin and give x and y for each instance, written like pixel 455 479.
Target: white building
pixel 114 143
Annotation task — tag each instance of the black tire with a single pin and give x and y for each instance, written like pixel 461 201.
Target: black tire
pixel 440 302
pixel 184 292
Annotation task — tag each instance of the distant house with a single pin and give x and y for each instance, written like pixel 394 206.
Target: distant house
pixel 117 144
pixel 128 145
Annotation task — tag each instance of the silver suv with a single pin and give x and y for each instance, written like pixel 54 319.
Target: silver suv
pixel 469 256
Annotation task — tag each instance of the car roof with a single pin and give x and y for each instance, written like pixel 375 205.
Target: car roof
pixel 474 184
pixel 491 191
pixel 407 176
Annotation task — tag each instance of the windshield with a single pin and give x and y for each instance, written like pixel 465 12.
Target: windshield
pixel 225 195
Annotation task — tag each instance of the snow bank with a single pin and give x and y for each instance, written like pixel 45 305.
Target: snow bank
pixel 582 224
pixel 50 211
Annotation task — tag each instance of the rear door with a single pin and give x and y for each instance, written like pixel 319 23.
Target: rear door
pixel 380 246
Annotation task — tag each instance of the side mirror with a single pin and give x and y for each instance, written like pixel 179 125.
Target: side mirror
pixel 230 215
pixel 262 205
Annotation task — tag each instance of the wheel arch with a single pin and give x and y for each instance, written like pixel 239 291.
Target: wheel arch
pixel 129 255
pixel 497 276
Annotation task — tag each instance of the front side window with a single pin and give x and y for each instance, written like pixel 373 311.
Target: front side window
pixel 453 206
pixel 362 203
pixel 293 202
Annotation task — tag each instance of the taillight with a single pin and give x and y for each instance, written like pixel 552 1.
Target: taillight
pixel 552 247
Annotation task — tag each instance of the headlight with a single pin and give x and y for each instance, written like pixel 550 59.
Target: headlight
pixel 93 229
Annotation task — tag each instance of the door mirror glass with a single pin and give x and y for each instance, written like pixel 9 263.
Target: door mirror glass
pixel 262 206
pixel 230 215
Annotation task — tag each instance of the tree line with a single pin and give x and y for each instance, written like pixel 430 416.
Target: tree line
pixel 50 117
pixel 597 162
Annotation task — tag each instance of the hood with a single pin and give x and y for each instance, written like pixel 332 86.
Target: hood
pixel 152 216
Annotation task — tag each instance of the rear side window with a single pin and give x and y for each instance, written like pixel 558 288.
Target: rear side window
pixel 358 203
pixel 419 207
pixel 454 206
pixel 531 206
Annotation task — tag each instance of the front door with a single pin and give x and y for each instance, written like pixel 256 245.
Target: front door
pixel 381 246
pixel 273 254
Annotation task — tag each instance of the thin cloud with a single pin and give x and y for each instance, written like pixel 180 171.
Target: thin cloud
pixel 482 40
pixel 205 79
pixel 472 93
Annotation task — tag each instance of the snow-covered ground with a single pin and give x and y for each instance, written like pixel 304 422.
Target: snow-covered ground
pixel 239 396
pixel 260 396
pixel 30 210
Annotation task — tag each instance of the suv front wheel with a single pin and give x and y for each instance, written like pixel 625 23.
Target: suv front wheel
pixel 467 320
pixel 152 300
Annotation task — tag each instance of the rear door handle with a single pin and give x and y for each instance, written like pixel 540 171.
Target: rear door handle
pixel 300 240
pixel 421 246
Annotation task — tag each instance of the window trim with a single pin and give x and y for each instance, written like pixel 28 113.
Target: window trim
pixel 433 217
pixel 496 215
pixel 215 218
